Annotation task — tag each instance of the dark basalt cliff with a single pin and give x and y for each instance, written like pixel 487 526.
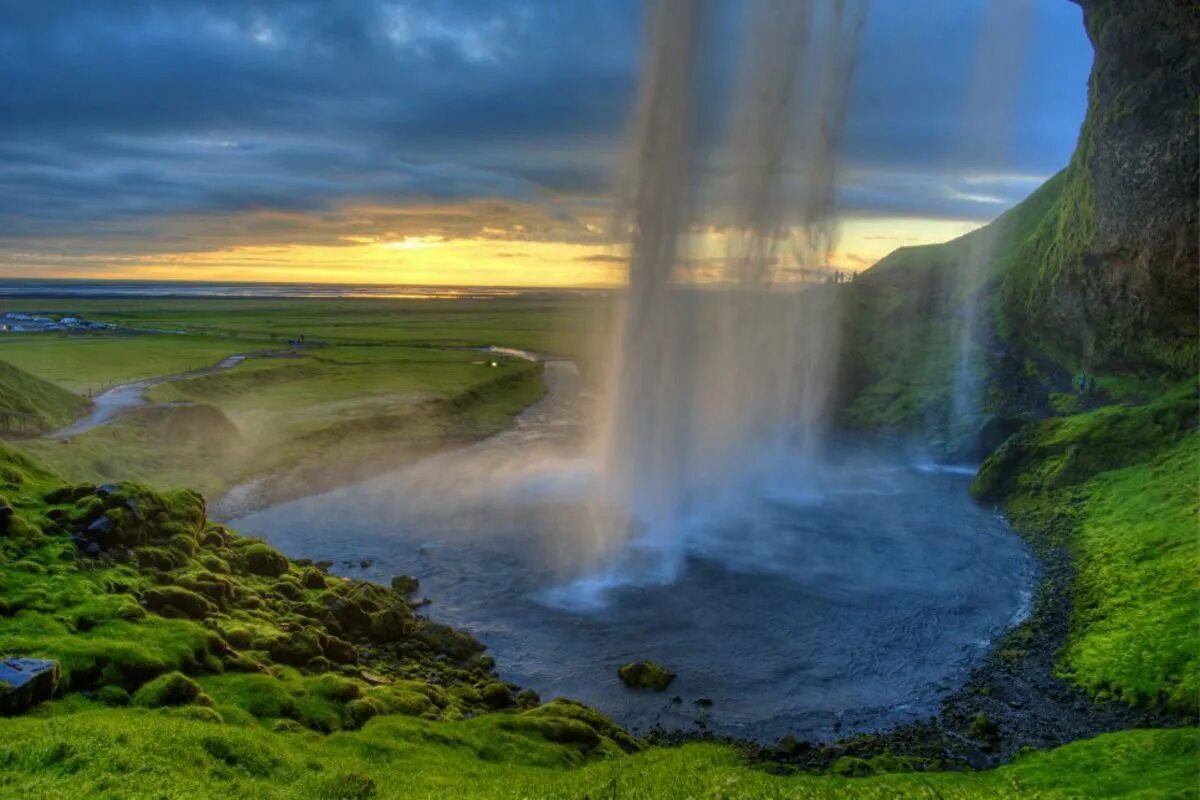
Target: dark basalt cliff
pixel 1095 274
pixel 1111 283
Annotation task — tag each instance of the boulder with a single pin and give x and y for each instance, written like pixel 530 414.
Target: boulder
pixel 405 584
pixel 262 560
pixel 25 682
pixel 646 675
pixel 187 603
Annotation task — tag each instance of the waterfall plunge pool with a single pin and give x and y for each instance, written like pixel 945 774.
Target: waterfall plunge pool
pixel 851 602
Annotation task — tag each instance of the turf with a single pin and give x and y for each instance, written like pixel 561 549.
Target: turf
pixel 1118 488
pixel 91 363
pixel 34 405
pixel 169 754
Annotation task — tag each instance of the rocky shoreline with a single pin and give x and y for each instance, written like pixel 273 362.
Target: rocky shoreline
pixel 1012 703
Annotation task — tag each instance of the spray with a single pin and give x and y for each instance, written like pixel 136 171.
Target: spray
pixel 714 387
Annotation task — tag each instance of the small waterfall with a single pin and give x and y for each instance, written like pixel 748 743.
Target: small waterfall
pixel 715 384
pixel 986 139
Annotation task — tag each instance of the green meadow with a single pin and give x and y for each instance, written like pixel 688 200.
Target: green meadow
pixel 376 382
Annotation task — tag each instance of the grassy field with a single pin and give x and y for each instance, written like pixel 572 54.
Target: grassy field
pixel 377 382
pixel 90 363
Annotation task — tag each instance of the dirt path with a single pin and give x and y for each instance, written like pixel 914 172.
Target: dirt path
pixel 114 402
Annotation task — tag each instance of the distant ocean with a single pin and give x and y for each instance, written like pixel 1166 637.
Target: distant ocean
pixel 32 288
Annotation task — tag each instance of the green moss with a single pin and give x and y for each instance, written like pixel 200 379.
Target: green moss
pixel 1117 486
pixel 646 675
pixel 139 754
pixel 172 689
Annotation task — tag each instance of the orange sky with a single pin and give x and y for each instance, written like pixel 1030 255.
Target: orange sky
pixel 462 251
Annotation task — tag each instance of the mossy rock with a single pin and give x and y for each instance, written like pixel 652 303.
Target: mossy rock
pixel 405 584
pixel 172 689
pixel 389 625
pixel 176 601
pixel 264 560
pixel 296 649
pixel 646 675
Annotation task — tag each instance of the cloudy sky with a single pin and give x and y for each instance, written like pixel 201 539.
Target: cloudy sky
pixel 463 141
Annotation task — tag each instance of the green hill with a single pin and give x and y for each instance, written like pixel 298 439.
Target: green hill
pixel 31 405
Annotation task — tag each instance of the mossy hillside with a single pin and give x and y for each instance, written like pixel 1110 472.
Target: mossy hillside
pixel 144 602
pixel 187 752
pixel 1117 488
pixel 39 404
pixel 904 321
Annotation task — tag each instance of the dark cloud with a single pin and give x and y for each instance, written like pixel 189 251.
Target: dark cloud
pixel 118 115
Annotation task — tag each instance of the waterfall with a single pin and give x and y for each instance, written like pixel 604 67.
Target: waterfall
pixel 987 130
pixel 721 378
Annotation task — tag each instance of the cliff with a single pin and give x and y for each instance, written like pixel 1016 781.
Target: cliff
pixel 1095 274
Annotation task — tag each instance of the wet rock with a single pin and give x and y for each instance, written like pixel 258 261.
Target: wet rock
pixel 25 682
pixel 646 675
pixel 705 702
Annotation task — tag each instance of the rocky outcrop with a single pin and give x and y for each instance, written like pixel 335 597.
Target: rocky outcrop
pixel 25 682
pixel 1110 280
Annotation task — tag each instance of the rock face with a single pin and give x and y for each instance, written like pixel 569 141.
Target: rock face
pixel 25 682
pixel 1111 280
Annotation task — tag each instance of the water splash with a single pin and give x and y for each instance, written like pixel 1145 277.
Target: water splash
pixel 716 386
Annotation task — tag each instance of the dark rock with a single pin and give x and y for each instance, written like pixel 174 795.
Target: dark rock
pixel 389 626
pixel 295 650
pixel 703 702
pixel 405 584
pixel 93 549
pixel 340 651
pixel 313 579
pixel 350 615
pixel 25 682
pixel 366 563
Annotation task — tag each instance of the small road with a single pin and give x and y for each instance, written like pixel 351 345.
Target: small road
pixel 114 402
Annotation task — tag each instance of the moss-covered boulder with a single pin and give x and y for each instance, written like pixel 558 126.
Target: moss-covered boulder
pixel 646 675
pixel 172 689
pixel 264 560
pixel 177 601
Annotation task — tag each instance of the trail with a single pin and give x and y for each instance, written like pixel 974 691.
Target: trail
pixel 113 403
